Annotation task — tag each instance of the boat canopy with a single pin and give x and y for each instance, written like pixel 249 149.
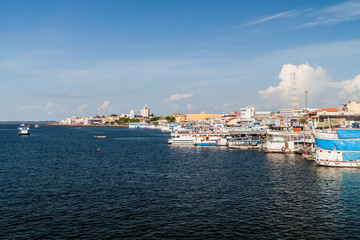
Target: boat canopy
pixel 348 133
pixel 351 156
pixel 347 145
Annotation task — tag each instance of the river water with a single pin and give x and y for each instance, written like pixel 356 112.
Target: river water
pixel 61 182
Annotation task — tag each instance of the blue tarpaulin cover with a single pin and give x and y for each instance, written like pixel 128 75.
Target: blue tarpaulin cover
pixel 348 133
pixel 339 144
pixel 351 156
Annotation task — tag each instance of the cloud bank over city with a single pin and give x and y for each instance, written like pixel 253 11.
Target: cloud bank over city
pixel 305 78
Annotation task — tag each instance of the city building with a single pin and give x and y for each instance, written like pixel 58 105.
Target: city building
pixel 145 112
pixel 132 114
pixel 247 112
pixel 202 116
pixel 353 106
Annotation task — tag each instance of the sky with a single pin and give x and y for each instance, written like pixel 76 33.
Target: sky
pixel 60 59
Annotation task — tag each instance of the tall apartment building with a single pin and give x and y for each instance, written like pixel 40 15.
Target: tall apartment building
pixel 145 112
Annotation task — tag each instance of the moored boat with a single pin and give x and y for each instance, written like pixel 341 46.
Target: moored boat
pixel 199 139
pixel 182 138
pixel 339 148
pixel 286 142
pixel 244 143
pixel 210 140
pixel 23 130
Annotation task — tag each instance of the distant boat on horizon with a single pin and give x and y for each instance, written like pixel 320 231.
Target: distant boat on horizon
pixel 24 130
pixel 100 136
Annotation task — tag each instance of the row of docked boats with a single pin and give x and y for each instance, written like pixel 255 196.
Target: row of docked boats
pixel 270 141
pixel 334 148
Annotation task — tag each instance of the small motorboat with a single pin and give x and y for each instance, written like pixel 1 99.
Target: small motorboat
pixel 100 136
pixel 23 130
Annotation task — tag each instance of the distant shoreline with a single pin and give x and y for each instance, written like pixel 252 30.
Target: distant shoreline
pixel 76 125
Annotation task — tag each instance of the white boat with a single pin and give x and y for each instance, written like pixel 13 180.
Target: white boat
pixel 23 130
pixel 199 139
pixel 182 138
pixel 244 143
pixel 339 148
pixel 100 136
pixel 210 140
pixel 286 142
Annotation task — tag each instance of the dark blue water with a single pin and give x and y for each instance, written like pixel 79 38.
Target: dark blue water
pixel 55 184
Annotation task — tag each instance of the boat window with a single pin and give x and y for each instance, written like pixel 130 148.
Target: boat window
pixel 329 151
pixel 320 150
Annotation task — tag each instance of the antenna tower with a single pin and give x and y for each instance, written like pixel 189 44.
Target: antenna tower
pixel 294 97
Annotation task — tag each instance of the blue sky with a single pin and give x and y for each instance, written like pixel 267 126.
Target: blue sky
pixel 64 58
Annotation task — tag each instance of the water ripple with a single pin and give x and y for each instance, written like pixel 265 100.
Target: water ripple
pixel 56 184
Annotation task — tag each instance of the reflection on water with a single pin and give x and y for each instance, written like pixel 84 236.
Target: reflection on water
pixel 57 185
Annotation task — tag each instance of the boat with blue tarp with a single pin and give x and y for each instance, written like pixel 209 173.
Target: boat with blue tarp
pixel 338 148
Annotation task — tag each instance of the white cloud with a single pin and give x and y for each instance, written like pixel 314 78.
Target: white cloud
pixel 177 97
pixel 105 108
pixel 347 11
pixel 272 17
pixel 350 89
pixel 307 78
pixel 27 108
pixel 82 107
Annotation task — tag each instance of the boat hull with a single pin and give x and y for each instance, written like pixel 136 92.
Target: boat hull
pixel 340 148
pixel 334 163
pixel 24 134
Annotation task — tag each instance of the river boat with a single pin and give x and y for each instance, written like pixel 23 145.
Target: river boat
pixel 244 143
pixel 24 130
pixel 182 138
pixel 338 148
pixel 210 140
pixel 100 136
pixel 286 141
pixel 199 138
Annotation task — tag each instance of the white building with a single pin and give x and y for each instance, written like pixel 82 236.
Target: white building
pixel 247 112
pixel 262 114
pixel 145 112
pixel 132 114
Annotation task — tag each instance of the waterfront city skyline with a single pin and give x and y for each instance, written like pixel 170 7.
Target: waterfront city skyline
pixel 66 58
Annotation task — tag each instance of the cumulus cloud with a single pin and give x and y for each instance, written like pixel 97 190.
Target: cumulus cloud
pixel 105 107
pixel 177 97
pixel 349 89
pixel 307 78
